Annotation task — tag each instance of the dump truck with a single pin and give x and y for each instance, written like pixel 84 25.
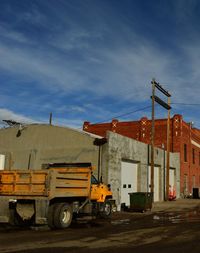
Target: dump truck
pixel 54 195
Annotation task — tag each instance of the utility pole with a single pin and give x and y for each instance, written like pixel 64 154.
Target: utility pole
pixel 168 153
pixel 152 134
pixel 156 85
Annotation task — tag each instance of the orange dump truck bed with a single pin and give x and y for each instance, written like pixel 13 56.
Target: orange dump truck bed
pixel 51 183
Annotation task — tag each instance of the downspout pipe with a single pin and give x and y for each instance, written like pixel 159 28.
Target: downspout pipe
pixel 99 142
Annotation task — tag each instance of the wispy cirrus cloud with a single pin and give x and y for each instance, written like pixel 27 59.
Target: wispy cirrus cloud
pixel 7 33
pixel 77 54
pixel 6 114
pixel 113 73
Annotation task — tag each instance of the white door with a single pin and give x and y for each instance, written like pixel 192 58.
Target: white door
pixel 172 178
pixel 2 161
pixel 156 195
pixel 128 181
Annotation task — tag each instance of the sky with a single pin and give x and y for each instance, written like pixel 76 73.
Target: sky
pixel 93 60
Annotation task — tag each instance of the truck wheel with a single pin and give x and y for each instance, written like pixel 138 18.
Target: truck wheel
pixel 107 210
pixel 62 215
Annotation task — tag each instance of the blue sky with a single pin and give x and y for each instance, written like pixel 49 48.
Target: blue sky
pixel 92 60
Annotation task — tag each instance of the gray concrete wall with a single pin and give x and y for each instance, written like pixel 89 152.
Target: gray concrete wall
pixel 175 164
pixel 121 148
pixel 41 144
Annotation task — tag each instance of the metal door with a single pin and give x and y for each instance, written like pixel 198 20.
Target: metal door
pixel 2 161
pixel 156 192
pixel 128 181
pixel 172 178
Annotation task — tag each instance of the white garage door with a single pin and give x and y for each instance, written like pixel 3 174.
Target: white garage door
pixel 156 195
pixel 172 178
pixel 128 180
pixel 2 162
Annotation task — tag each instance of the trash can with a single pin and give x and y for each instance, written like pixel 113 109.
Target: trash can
pixel 141 201
pixel 195 193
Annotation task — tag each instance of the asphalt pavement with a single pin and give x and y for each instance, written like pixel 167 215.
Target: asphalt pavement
pixel 168 227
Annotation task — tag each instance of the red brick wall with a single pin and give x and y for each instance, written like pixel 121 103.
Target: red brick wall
pixel 180 133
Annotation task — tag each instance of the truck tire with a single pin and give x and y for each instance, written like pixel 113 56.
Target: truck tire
pixel 107 209
pixel 62 215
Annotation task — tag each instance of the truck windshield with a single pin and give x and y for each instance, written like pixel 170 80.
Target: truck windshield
pixel 94 180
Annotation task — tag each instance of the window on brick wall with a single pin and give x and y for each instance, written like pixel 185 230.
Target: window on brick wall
pixel 185 152
pixel 193 156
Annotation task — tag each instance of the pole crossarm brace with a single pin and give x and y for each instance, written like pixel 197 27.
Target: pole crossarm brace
pixel 162 103
pixel 160 88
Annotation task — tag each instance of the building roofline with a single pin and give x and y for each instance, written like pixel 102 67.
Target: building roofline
pixel 64 127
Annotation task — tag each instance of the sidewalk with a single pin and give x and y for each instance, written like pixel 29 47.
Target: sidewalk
pixel 176 205
pixel 167 207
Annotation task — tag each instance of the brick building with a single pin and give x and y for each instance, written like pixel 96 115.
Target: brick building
pixel 183 139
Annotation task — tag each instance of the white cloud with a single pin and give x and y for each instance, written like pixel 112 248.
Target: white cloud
pixel 73 39
pixel 184 10
pixel 124 73
pixel 6 114
pixel 73 123
pixel 33 16
pixel 38 66
pixel 12 35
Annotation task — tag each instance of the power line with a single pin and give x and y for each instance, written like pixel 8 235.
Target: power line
pixel 125 114
pixel 185 104
pixel 142 109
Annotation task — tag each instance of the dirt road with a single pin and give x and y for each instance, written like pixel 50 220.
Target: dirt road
pixel 170 227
